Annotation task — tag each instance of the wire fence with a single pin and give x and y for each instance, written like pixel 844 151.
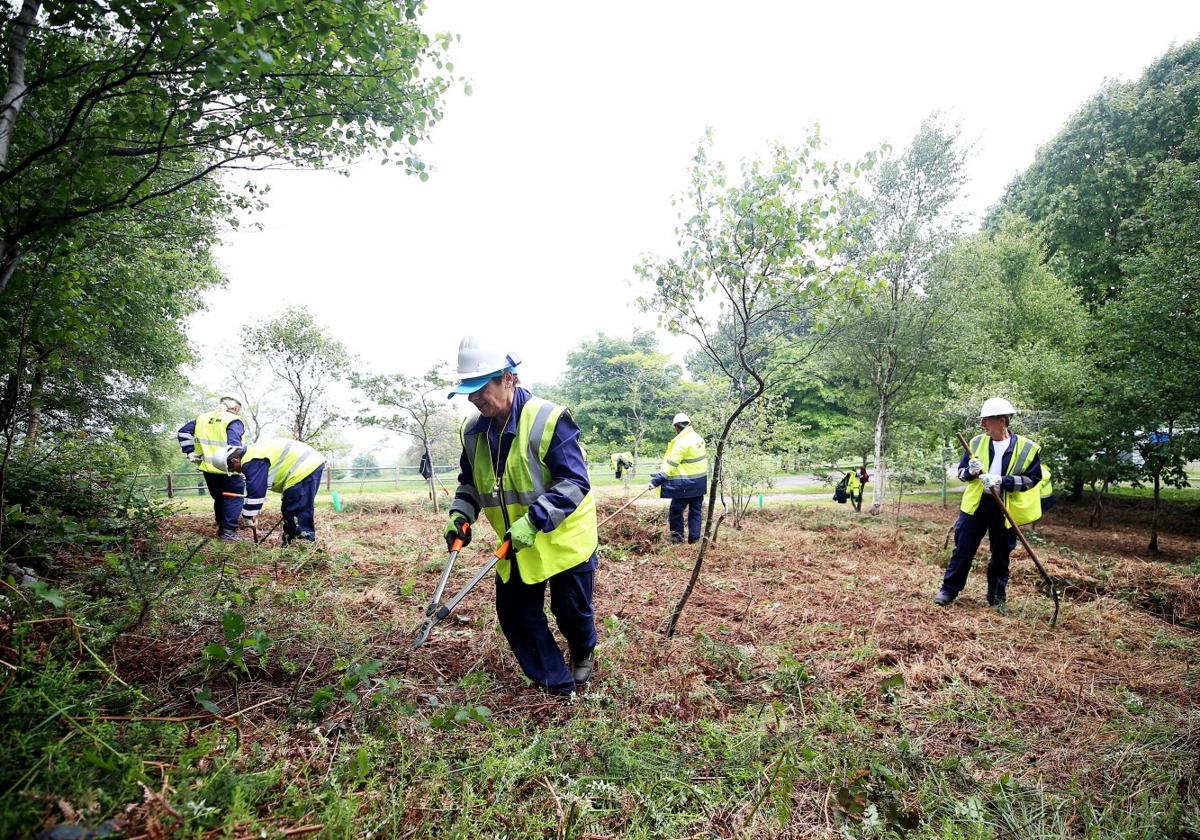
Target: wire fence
pixel 397 478
pixel 177 484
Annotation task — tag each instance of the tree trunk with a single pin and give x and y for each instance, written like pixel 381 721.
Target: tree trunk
pixel 945 471
pixel 1154 513
pixel 10 106
pixel 709 528
pixel 879 491
pixel 1097 515
pixel 14 94
pixel 34 414
pixel 1077 487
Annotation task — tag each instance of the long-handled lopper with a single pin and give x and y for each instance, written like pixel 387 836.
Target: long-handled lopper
pixel 437 609
pixel 1017 529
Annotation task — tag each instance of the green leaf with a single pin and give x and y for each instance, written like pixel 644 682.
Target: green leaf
pixel 43 591
pixel 233 624
pixel 203 696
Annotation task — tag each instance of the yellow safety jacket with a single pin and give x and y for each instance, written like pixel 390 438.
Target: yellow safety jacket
pixel 1044 486
pixel 1026 505
pixel 854 484
pixel 525 481
pixel 211 436
pixel 685 466
pixel 290 461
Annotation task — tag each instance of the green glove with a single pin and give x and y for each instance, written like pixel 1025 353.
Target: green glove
pixel 458 528
pixel 522 533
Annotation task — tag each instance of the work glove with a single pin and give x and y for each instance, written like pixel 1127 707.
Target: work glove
pixel 522 533
pixel 194 457
pixel 657 479
pixel 991 480
pixel 457 528
pixel 974 466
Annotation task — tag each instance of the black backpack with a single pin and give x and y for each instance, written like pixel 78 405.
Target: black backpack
pixel 839 493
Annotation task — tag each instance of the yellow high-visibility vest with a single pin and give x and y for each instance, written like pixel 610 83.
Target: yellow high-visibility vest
pixel 1025 506
pixel 212 436
pixel 526 479
pixel 290 461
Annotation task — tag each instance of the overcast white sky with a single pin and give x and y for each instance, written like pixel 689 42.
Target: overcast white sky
pixel 557 173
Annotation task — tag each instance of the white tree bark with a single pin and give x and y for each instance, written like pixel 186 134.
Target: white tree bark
pixel 878 490
pixel 14 93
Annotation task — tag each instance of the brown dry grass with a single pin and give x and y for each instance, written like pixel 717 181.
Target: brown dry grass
pixel 849 596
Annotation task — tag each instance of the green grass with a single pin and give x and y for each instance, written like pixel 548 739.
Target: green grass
pixel 404 771
pixel 761 746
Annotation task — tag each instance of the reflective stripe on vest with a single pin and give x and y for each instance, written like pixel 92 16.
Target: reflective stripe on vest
pixel 290 461
pixel 1024 506
pixel 212 435
pixel 685 456
pixel 526 480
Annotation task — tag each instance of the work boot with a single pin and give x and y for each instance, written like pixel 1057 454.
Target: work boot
pixel 676 539
pixel 1000 606
pixel 228 535
pixel 944 597
pixel 582 667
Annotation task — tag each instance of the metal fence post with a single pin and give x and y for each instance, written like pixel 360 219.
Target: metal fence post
pixel 170 488
pixel 329 479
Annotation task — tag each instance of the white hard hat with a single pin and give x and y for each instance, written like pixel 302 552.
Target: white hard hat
pixel 996 406
pixel 478 363
pixel 681 418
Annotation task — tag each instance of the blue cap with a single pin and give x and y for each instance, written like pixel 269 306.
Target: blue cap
pixel 470 386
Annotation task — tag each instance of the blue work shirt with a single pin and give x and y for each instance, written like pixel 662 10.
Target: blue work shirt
pixel 564 460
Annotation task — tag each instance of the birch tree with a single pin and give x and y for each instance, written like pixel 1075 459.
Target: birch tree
pixel 756 265
pixel 906 222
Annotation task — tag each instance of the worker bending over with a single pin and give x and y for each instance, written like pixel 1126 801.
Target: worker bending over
pixel 290 468
pixel 203 440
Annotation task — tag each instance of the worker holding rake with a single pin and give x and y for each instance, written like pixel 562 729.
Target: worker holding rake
pixel 1012 465
pixel 522 466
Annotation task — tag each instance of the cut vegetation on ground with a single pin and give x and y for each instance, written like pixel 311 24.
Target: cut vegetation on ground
pixel 813 689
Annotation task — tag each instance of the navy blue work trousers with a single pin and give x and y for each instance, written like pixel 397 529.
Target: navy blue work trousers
pixel 229 497
pixel 968 534
pixel 520 607
pixel 693 504
pixel 298 508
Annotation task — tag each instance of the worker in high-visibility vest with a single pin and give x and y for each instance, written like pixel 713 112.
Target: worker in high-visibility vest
pixel 290 468
pixel 683 478
pixel 854 488
pixel 523 468
pixel 202 440
pixel 1012 465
